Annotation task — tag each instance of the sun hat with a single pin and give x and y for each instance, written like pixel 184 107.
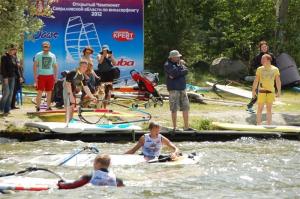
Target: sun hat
pixel 174 53
pixel 105 47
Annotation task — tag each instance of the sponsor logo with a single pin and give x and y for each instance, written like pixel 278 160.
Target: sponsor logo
pixel 46 35
pixel 125 62
pixel 123 35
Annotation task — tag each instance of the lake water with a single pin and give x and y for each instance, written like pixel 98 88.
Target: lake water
pixel 245 168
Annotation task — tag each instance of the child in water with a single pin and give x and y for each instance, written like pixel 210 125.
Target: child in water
pixel 101 176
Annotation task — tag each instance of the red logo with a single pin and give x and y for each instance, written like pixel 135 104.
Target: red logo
pixel 125 62
pixel 123 35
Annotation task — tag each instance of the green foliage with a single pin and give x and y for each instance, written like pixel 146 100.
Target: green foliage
pixel 16 18
pixel 203 124
pixel 205 29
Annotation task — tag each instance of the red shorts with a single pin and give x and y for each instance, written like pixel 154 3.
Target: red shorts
pixel 45 83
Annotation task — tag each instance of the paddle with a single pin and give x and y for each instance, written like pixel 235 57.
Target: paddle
pixel 92 149
pixel 29 170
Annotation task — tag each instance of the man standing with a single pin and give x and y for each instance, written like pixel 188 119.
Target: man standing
pixel 106 70
pixel 45 74
pixel 8 69
pixel 176 72
pixel 266 75
pixel 256 62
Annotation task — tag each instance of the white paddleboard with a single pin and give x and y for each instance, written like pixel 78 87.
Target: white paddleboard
pixel 262 128
pixel 78 127
pixel 233 90
pixel 86 160
pixel 21 183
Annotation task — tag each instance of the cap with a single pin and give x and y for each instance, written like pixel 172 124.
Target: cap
pixel 105 47
pixel 174 53
pixel 46 43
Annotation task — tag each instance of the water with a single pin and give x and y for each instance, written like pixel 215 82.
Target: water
pixel 245 168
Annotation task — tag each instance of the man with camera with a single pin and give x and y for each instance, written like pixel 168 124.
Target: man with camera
pixel 107 71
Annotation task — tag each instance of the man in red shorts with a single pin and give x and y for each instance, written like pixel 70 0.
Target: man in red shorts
pixel 45 74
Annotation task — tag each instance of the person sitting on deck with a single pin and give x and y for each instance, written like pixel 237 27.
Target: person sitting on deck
pixel 101 176
pixel 74 82
pixel 152 142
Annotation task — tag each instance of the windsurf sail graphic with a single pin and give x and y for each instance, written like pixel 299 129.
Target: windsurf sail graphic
pixel 79 35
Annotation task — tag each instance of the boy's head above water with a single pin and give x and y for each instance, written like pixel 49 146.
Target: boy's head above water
pixel 102 162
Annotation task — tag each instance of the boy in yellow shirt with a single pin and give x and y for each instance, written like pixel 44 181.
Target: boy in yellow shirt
pixel 266 75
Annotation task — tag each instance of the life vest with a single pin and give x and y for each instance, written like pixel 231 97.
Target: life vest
pixel 102 178
pixel 152 147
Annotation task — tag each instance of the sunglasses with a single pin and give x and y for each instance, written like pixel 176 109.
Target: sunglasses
pixel 45 46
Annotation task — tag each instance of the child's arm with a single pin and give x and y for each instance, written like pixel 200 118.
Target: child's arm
pixel 72 185
pixel 137 146
pixel 167 142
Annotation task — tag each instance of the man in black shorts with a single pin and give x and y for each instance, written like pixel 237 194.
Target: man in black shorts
pixel 74 82
pixel 105 71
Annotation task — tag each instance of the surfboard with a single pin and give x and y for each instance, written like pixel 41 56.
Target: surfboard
pixel 232 90
pixel 86 160
pixel 83 128
pixel 262 128
pixel 21 183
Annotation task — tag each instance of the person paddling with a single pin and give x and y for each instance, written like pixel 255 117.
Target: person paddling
pixel 74 82
pixel 152 143
pixel 101 176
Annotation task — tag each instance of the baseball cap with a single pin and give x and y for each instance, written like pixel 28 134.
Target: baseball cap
pixel 174 53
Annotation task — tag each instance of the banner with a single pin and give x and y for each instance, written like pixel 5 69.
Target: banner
pixel 80 23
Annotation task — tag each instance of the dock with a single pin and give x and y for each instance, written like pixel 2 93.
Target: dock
pixel 132 136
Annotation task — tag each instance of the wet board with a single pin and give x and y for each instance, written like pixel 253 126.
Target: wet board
pixel 21 183
pixel 262 128
pixel 79 127
pixel 232 90
pixel 86 160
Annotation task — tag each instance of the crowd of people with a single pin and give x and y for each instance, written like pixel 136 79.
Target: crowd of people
pixel 86 79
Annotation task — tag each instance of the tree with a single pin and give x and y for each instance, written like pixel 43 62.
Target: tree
pixel 18 17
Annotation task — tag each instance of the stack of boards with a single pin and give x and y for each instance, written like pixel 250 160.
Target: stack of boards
pixel 255 128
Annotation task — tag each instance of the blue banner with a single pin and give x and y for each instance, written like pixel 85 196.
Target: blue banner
pixel 80 23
